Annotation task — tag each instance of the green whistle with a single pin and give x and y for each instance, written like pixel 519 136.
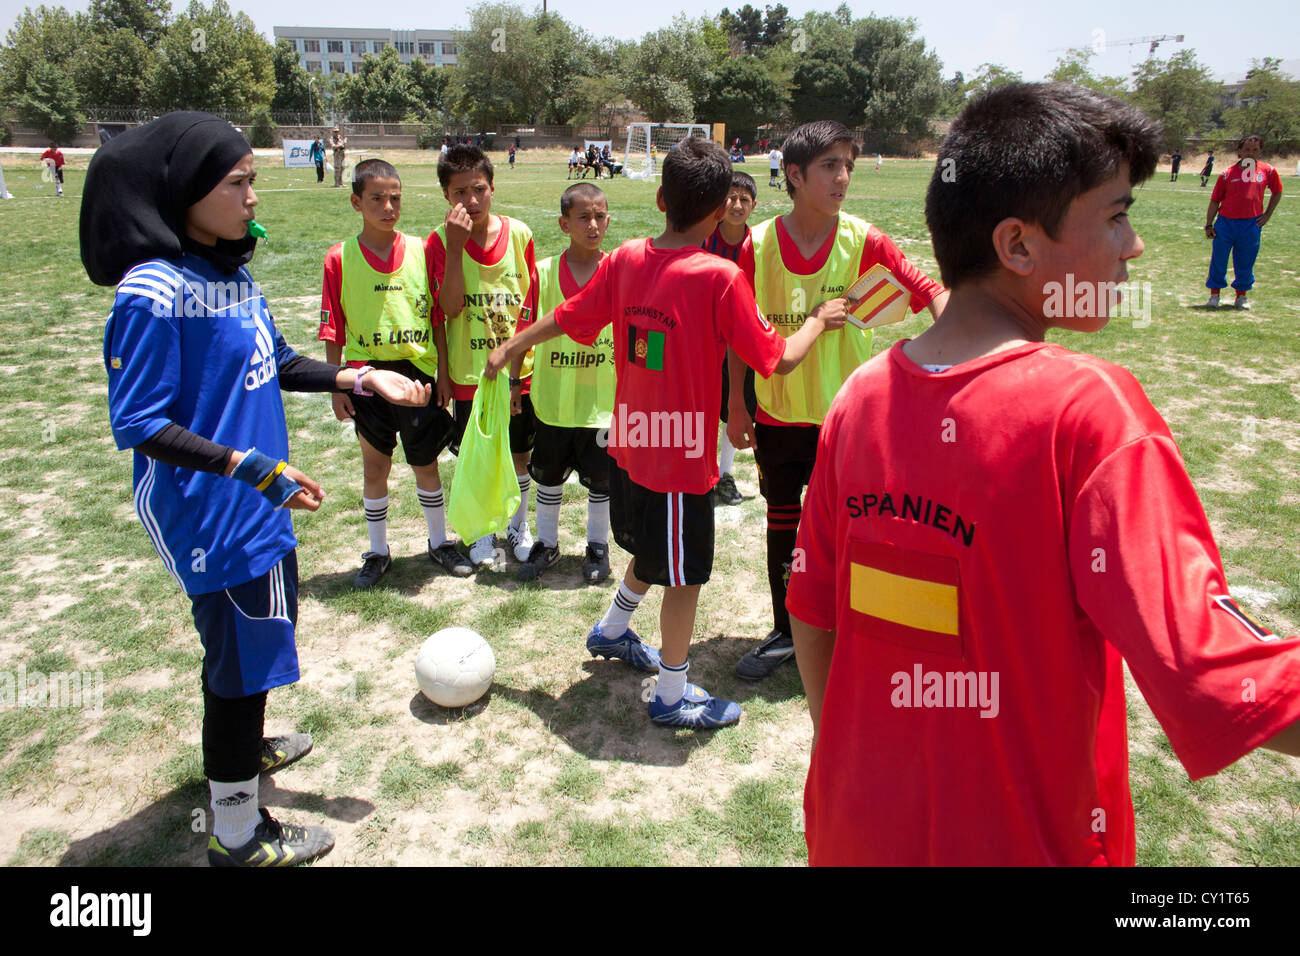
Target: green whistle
pixel 257 230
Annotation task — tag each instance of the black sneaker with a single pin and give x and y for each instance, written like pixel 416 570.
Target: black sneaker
pixel 448 557
pixel 540 558
pixel 280 752
pixel 595 566
pixel 373 567
pixel 725 491
pixel 274 844
pixel 776 649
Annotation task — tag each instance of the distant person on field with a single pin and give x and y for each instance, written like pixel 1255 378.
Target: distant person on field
pixel 1175 161
pixel 338 143
pixel 317 156
pixel 53 158
pixel 774 167
pixel 575 162
pixel 1238 203
pixel 1207 170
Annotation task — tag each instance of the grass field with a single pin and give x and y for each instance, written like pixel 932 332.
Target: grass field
pixel 559 763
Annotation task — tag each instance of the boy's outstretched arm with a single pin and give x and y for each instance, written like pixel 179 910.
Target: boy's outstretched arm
pixel 520 343
pixel 827 317
pixel 813 648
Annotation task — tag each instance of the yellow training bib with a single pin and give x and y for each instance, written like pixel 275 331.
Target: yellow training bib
pixel 573 385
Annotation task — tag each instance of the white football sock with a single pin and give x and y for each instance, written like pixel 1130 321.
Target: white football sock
pixel 520 517
pixel 616 619
pixel 726 452
pixel 377 523
pixel 597 518
pixel 548 514
pixel 671 686
pixel 435 516
pixel 234 812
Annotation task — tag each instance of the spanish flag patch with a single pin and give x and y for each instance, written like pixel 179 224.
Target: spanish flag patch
pixel 877 298
pixel 906 597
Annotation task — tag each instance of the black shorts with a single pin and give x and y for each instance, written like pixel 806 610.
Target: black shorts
pixel 751 397
pixel 785 455
pixel 560 451
pixel 425 431
pixel 669 533
pixel 523 427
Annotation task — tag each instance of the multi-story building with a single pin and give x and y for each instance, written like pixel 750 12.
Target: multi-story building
pixel 341 49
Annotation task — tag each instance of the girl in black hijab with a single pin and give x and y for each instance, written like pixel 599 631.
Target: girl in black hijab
pixel 195 367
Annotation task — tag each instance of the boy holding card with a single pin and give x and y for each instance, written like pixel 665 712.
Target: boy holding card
pixel 979 560
pixel 811 254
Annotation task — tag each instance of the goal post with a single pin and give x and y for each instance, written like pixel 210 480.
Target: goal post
pixel 647 142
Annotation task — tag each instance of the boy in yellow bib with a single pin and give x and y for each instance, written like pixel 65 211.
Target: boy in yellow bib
pixel 484 276
pixel 375 314
pixel 572 394
pixel 801 259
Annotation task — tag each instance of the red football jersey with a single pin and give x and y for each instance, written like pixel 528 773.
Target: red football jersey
pixel 987 542
pixel 675 311
pixel 1240 189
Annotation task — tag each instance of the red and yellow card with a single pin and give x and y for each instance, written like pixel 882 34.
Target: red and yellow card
pixel 877 298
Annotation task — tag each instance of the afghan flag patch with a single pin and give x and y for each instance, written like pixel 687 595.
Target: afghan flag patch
pixel 645 348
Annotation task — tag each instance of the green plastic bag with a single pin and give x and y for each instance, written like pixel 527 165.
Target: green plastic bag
pixel 485 492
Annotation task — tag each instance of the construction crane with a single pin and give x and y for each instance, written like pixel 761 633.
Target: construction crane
pixel 1135 41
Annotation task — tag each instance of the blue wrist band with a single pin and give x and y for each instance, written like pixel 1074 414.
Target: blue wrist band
pixel 266 474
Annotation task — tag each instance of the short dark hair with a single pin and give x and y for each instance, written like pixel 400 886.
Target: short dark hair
pixel 1027 150
pixel 744 181
pixel 369 169
pixel 805 143
pixel 696 180
pixel 1242 142
pixel 463 158
pixel 585 190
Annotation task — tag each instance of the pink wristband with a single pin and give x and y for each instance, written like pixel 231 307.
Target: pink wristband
pixel 357 389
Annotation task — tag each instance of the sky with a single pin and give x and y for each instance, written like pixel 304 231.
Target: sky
pixel 1025 37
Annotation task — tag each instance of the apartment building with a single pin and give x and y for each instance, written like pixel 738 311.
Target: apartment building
pixel 341 49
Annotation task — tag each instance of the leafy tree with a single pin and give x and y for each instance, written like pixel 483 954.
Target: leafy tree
pixel 431 86
pixel 774 23
pixel 988 76
pixel 744 27
pixel 46 36
pixel 823 90
pixel 115 68
pixel 49 102
pixel 897 79
pixel 1074 68
pixel 497 61
pixel 1179 92
pixel 145 19
pixel 1271 107
pixel 213 59
pixel 383 86
pixel 294 91
pixel 671 69
pixel 743 96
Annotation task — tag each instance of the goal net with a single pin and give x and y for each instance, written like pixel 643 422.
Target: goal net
pixel 647 142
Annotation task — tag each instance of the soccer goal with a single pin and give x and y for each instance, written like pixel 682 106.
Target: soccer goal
pixel 647 142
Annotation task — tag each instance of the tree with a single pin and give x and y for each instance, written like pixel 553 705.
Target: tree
pixel 743 96
pixel 897 79
pixel 114 68
pixel 1179 92
pixel 431 86
pixel 1271 107
pixel 988 76
pixel 46 36
pixel 213 59
pixel 1074 68
pixel 49 103
pixel 823 90
pixel 144 19
pixel 383 87
pixel 294 91
pixel 672 69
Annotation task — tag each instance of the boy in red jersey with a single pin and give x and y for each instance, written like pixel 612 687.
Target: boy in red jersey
pixel 484 274
pixel 810 254
pixel 1238 203
pixel 731 241
pixel 675 309
pixel 993 522
pixel 53 158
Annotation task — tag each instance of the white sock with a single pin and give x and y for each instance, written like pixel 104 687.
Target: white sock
pixel 616 619
pixel 548 514
pixel 671 686
pixel 234 812
pixel 434 515
pixel 377 523
pixel 597 518
pixel 726 452
pixel 520 517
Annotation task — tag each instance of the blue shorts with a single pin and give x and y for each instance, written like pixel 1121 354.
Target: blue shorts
pixel 247 632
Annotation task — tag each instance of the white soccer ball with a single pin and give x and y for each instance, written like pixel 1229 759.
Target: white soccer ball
pixel 454 667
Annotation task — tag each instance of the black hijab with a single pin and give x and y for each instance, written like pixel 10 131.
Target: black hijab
pixel 140 185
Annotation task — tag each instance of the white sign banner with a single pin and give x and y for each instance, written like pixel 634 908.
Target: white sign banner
pixel 297 152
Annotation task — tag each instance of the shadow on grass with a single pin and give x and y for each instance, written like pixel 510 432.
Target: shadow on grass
pixel 604 716
pixel 164 833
